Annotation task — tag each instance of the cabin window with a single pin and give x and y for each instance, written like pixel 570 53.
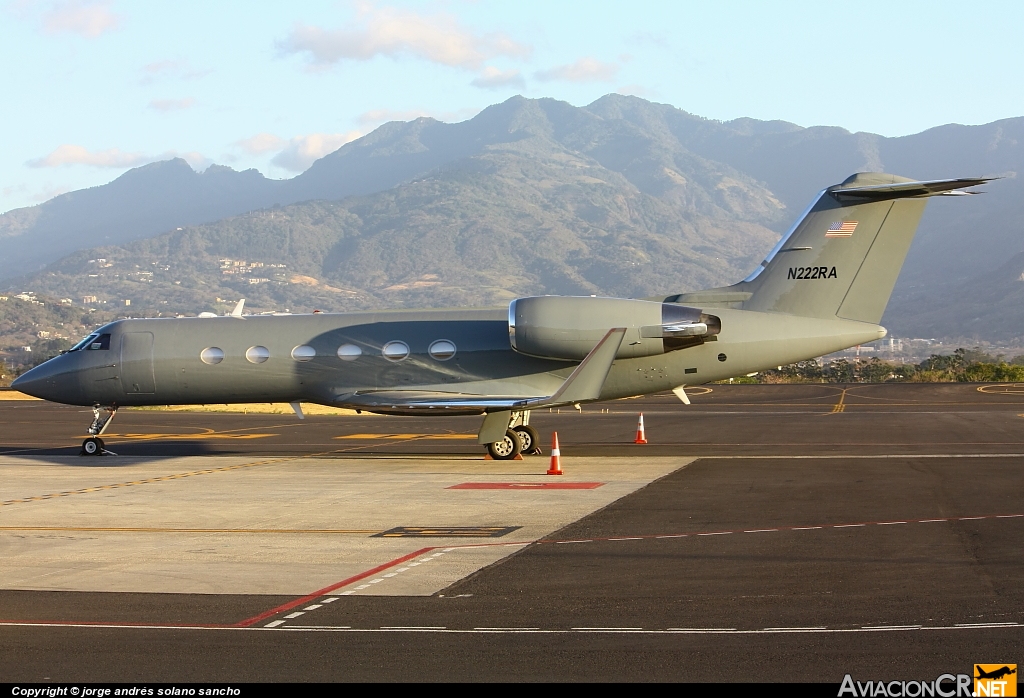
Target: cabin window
pixel 303 352
pixel 395 351
pixel 442 350
pixel 257 354
pixel 212 355
pixel 349 352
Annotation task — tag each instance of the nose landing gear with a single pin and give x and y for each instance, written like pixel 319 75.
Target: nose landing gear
pixel 101 416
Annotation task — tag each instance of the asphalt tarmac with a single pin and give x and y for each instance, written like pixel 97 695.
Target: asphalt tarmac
pixel 874 530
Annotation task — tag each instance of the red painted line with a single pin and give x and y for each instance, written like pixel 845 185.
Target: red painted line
pixel 526 486
pixel 326 590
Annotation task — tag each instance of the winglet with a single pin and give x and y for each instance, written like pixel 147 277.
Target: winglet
pixel 585 383
pixel 237 312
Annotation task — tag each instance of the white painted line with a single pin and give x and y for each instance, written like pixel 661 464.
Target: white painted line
pixel 574 541
pixel 273 624
pixel 676 535
pixel 890 523
pixel 1009 516
pixel 805 528
pixel 761 530
pixel 330 600
pixel 295 615
pixel 402 569
pixel 701 630
pixel 350 591
pixel 987 625
pixel 822 627
pixel 414 564
pixel 376 581
pixel 425 559
pixel 625 539
pixel 932 520
pixel 313 607
pixel 363 586
pixel 891 627
pixel 413 627
pixel 970 518
pixel 507 629
pixel 847 525
pixel 607 628
pixel 718 533
pixel 391 574
pixel 437 555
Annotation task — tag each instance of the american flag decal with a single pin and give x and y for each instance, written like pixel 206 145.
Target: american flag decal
pixel 841 229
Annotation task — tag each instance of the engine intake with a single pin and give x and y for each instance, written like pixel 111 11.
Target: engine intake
pixel 569 327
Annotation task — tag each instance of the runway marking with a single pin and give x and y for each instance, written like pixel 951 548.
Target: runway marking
pixel 840 406
pixel 249 622
pixel 274 626
pixel 411 437
pixel 526 486
pixel 1002 388
pixel 101 529
pixel 838 456
pixel 190 437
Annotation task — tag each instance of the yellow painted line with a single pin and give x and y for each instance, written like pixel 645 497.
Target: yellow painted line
pixel 107 529
pixel 192 437
pixel 441 437
pixel 178 476
pixel 1002 389
pixel 161 478
pixel 15 395
pixel 840 406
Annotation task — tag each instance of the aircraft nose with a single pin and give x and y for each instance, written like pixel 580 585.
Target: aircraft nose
pixel 40 381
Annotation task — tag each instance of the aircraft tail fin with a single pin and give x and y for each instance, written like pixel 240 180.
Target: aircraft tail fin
pixel 842 256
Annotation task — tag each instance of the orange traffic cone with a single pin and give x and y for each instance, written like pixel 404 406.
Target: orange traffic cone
pixel 640 437
pixel 556 456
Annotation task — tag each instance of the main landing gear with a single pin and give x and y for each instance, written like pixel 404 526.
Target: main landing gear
pixel 520 438
pixel 101 416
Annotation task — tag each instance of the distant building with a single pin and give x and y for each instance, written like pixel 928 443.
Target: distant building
pixel 89 299
pixel 127 301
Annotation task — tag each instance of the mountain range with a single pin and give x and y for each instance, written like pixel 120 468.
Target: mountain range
pixel 620 197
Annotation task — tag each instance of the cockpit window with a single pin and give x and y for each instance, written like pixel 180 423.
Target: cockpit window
pixel 84 343
pixel 93 342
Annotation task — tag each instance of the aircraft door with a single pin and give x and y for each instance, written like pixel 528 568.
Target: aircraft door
pixel 137 363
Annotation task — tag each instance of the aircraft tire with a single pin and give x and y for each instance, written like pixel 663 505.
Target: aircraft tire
pixel 92 446
pixel 530 438
pixel 506 449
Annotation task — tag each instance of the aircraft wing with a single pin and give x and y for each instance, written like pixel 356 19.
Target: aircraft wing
pixel 583 385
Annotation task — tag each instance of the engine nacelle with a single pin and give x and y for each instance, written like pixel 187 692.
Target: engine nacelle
pixel 569 327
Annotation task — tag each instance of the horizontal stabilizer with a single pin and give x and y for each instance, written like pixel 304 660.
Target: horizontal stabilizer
pixel 899 190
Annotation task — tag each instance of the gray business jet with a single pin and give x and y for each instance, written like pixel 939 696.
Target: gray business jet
pixel 822 288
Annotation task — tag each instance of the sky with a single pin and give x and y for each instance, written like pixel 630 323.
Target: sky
pixel 92 88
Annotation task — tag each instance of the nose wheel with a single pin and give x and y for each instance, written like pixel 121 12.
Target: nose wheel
pixel 92 446
pixel 101 417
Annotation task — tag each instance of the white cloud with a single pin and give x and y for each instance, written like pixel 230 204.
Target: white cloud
pixel 584 70
pixel 492 78
pixel 392 32
pixel 84 17
pixel 302 151
pixel 172 104
pixel 70 154
pixel 261 143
